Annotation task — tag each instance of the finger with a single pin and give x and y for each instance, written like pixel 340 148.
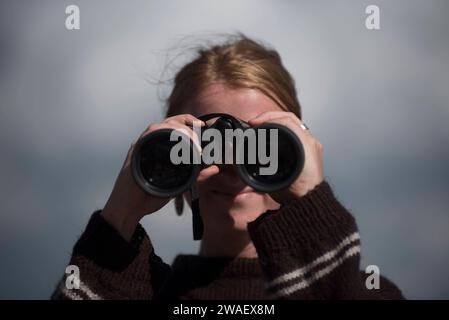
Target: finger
pixel 187 131
pixel 267 116
pixel 295 123
pixel 186 119
pixel 172 125
pixel 292 125
pixel 208 172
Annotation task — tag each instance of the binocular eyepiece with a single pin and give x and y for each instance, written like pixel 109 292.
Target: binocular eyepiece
pixel 268 157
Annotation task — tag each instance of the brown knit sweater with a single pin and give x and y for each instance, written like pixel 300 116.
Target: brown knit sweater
pixel 309 249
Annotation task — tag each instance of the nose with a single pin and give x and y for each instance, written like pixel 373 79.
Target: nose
pixel 229 176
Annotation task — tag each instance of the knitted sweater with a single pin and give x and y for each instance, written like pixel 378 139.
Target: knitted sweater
pixel 309 249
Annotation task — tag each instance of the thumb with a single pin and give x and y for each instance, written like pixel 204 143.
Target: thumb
pixel 208 172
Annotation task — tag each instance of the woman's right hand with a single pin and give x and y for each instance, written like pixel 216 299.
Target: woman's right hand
pixel 128 203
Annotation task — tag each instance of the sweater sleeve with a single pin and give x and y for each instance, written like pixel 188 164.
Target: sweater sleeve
pixel 111 267
pixel 310 249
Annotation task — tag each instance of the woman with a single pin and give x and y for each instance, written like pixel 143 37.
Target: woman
pixel 298 243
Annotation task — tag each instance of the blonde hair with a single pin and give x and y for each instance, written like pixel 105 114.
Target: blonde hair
pixel 239 62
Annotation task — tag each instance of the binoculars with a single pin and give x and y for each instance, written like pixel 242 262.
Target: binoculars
pixel 225 140
pixel 156 173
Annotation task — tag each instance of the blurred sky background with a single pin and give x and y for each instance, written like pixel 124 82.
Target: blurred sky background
pixel 71 102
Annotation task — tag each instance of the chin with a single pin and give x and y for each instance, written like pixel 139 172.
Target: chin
pixel 241 220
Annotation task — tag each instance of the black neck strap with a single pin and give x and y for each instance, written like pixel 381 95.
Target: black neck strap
pixel 197 221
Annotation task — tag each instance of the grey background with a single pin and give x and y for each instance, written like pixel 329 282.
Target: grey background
pixel 72 102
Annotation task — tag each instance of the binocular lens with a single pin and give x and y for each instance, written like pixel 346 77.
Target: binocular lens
pixel 154 171
pixel 290 161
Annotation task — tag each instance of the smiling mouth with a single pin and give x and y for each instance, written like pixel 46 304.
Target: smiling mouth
pixel 232 194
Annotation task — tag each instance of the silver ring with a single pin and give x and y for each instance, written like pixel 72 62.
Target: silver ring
pixel 304 127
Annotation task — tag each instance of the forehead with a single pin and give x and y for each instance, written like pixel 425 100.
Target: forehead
pixel 243 103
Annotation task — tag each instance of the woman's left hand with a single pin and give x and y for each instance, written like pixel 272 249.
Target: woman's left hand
pixel 312 173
